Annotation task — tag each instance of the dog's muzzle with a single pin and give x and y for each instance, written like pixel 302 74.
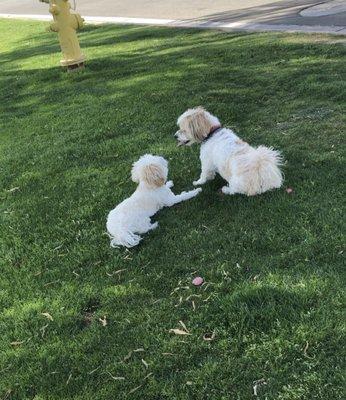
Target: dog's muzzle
pixel 181 142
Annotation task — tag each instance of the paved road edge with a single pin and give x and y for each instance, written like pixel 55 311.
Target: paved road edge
pixel 233 26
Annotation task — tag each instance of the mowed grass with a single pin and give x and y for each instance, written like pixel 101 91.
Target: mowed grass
pixel 80 320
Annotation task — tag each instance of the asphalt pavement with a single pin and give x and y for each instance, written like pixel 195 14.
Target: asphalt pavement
pixel 286 15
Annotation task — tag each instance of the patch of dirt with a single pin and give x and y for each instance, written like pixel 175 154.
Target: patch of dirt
pixel 88 311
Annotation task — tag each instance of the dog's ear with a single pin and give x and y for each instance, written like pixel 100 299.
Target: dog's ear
pixel 153 175
pixel 135 172
pixel 199 124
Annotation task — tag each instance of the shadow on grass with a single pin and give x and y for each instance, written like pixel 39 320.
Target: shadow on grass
pixel 186 58
pixel 70 142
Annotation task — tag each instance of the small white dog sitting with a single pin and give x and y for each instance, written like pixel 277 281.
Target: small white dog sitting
pixel 132 216
pixel 247 170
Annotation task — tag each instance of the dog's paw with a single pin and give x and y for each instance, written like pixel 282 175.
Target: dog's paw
pixel 198 190
pixel 228 190
pixel 197 183
pixel 154 226
pixel 169 184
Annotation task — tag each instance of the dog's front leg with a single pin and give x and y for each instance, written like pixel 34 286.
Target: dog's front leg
pixel 206 175
pixel 183 196
pixel 207 172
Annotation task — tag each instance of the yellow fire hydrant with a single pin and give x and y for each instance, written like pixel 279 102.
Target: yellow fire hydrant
pixel 66 22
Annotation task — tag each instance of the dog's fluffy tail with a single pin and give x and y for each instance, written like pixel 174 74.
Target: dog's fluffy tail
pixel 122 237
pixel 263 170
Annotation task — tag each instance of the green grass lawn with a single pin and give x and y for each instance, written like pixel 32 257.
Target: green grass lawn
pixel 272 263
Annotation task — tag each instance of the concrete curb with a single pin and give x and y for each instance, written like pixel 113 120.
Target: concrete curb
pixel 327 8
pixel 233 26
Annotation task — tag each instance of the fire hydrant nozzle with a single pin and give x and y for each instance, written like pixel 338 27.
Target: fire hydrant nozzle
pixel 66 22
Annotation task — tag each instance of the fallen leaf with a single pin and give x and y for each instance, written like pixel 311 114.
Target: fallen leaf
pixel 17 343
pixel 119 271
pixel 43 330
pixel 208 298
pixel 136 388
pixel 257 384
pixel 209 336
pixel 115 378
pixel 180 287
pixel 206 286
pixel 174 290
pixel 128 356
pixel 51 283
pixel 47 315
pixel 180 301
pixel 306 349
pixel 94 370
pixel 69 378
pixel 179 332
pixel 183 325
pixel 192 295
pixel 13 189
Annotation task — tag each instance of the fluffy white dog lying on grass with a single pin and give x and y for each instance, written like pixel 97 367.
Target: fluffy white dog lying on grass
pixel 132 216
pixel 248 170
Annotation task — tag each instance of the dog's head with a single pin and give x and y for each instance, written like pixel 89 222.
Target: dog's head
pixel 194 126
pixel 151 170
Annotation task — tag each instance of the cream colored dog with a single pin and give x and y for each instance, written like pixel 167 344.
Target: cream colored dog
pixel 248 170
pixel 132 216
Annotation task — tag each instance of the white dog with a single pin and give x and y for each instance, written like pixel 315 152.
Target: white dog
pixel 247 170
pixel 153 193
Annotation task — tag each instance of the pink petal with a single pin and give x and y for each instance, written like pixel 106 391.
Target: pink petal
pixel 197 281
pixel 289 190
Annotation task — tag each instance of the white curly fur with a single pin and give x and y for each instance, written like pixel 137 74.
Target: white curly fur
pixel 248 170
pixel 132 217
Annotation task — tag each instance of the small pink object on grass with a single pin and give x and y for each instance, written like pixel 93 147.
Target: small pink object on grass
pixel 197 281
pixel 289 190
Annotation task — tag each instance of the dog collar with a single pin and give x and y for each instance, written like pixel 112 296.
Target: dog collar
pixel 213 130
